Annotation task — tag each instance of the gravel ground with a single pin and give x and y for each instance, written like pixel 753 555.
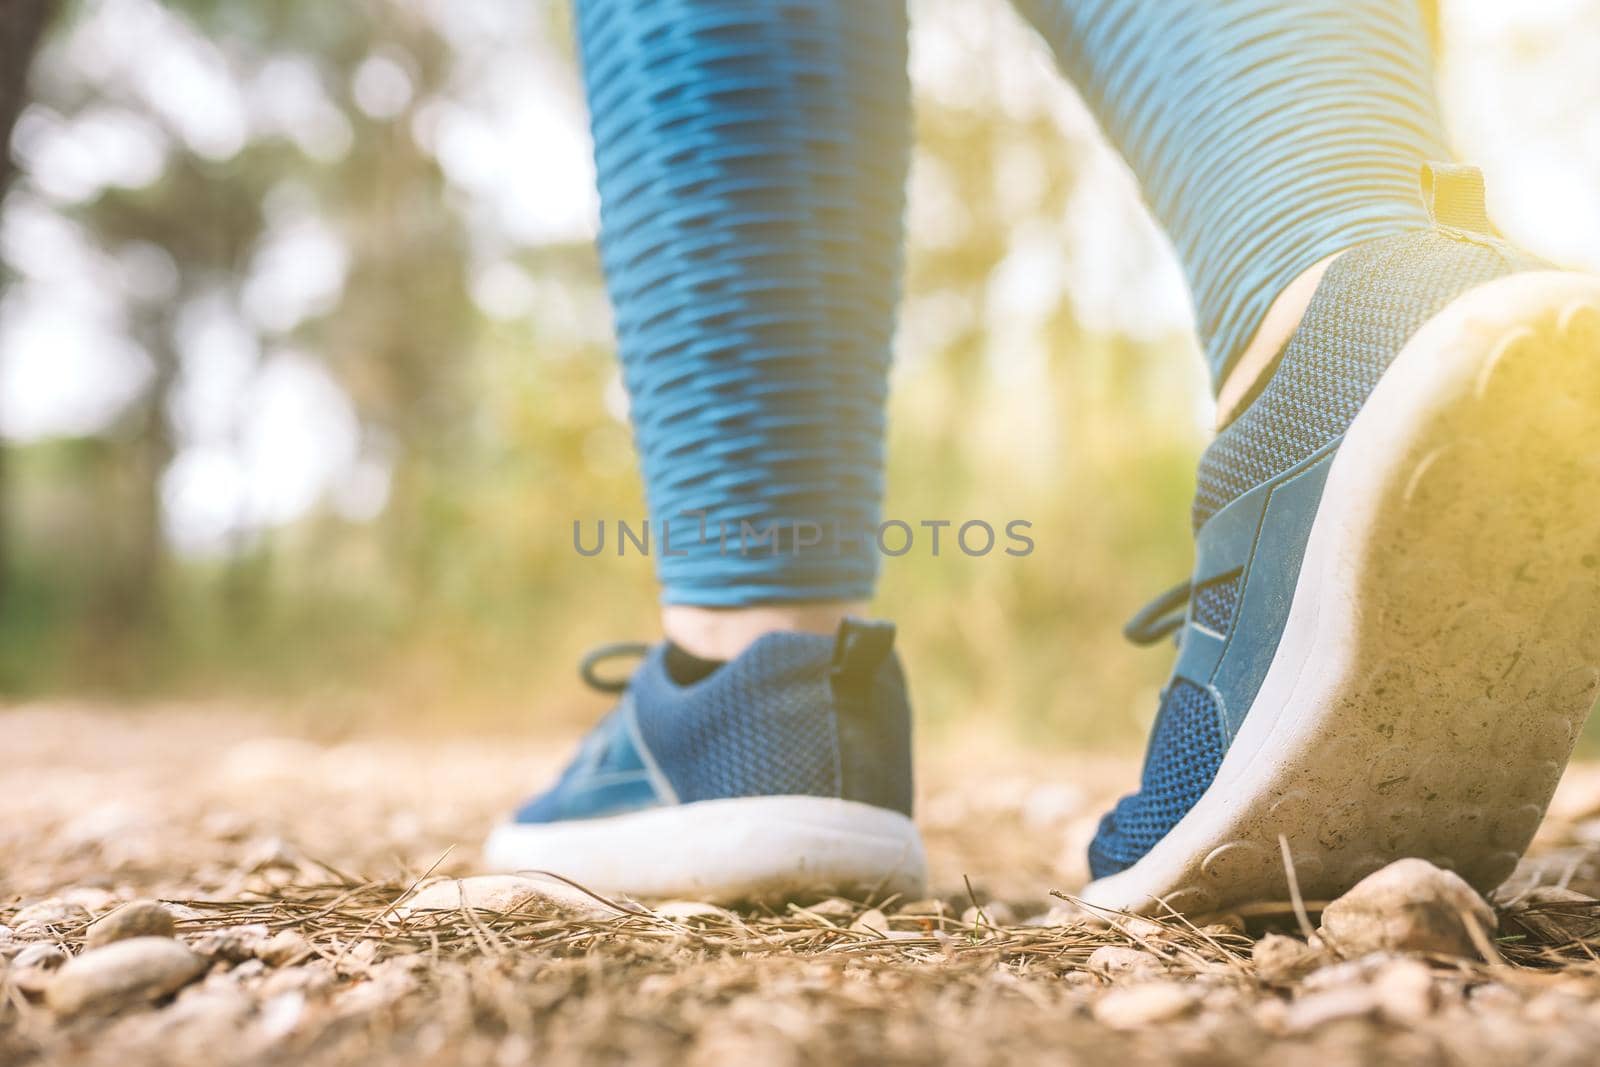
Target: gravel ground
pixel 282 864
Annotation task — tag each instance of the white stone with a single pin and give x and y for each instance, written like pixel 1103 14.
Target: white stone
pixel 1114 961
pixel 1281 960
pixel 123 974
pixel 139 918
pixel 1329 1005
pixel 283 948
pixel 683 911
pixel 37 920
pixel 1408 906
pixel 35 965
pixel 871 921
pixel 506 893
pixel 231 944
pixel 1132 1007
pixel 1405 991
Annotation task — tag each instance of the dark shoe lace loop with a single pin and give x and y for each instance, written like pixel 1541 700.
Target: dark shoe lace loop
pixel 1160 617
pixel 597 656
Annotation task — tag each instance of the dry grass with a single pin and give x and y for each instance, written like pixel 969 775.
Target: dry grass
pixel 247 837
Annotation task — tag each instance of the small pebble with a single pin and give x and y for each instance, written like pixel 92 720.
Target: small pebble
pixel 41 954
pixel 832 908
pixel 1142 929
pixel 1359 971
pixel 1405 991
pixel 1280 960
pixel 313 977
pixel 871 921
pixel 140 918
pixel 284 948
pixel 688 911
pixel 230 944
pixel 996 913
pixel 121 975
pixel 48 918
pixel 279 1015
pixel 1000 913
pixel 1068 913
pixel 91 898
pixel 1227 922
pixel 356 959
pixel 1553 1008
pixel 1408 906
pixel 1494 997
pixel 1132 1007
pixel 506 893
pixel 1329 1005
pixel 386 985
pixel 929 906
pixel 34 966
pixel 210 1009
pixel 1116 961
pixel 247 970
pixel 270 853
pixel 1270 1014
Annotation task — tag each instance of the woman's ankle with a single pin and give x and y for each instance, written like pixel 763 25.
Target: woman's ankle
pixel 723 633
pixel 1254 365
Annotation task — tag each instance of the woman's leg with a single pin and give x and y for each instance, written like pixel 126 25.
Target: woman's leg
pixel 1420 443
pixel 752 162
pixel 1267 135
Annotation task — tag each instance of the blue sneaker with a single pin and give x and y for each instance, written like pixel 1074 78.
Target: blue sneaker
pixel 781 774
pixel 1392 635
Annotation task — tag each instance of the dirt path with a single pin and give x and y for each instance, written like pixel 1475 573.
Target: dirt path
pixel 261 828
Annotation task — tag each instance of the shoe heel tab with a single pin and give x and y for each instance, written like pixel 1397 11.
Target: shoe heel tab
pixel 859 650
pixel 873 717
pixel 1453 195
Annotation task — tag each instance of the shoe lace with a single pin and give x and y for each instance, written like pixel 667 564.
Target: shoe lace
pixel 1160 617
pixel 596 656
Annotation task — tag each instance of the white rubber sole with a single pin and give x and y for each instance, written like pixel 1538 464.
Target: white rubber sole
pixel 1443 646
pixel 724 851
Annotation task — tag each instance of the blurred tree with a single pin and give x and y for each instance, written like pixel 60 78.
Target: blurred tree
pixel 22 24
pixel 399 331
pixel 359 152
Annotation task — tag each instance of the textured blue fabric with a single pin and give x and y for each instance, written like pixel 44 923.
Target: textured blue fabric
pixel 772 722
pixel 1186 748
pixel 759 725
pixel 1371 301
pixel 1266 134
pixel 752 161
pixel 1213 601
pixel 1368 305
pixel 607 776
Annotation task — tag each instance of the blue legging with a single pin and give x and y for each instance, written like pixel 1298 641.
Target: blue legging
pixel 752 158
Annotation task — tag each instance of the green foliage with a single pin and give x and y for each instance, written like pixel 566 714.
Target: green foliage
pixel 464 596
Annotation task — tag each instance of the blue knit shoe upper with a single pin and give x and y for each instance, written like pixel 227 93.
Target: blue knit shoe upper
pixel 794 715
pixel 1259 488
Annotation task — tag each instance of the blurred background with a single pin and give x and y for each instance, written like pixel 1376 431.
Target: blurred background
pixel 305 359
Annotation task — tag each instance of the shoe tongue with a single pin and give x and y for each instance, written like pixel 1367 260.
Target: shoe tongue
pixel 686 668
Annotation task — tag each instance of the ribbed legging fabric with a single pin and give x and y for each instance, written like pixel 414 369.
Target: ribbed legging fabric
pixel 1266 134
pixel 752 158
